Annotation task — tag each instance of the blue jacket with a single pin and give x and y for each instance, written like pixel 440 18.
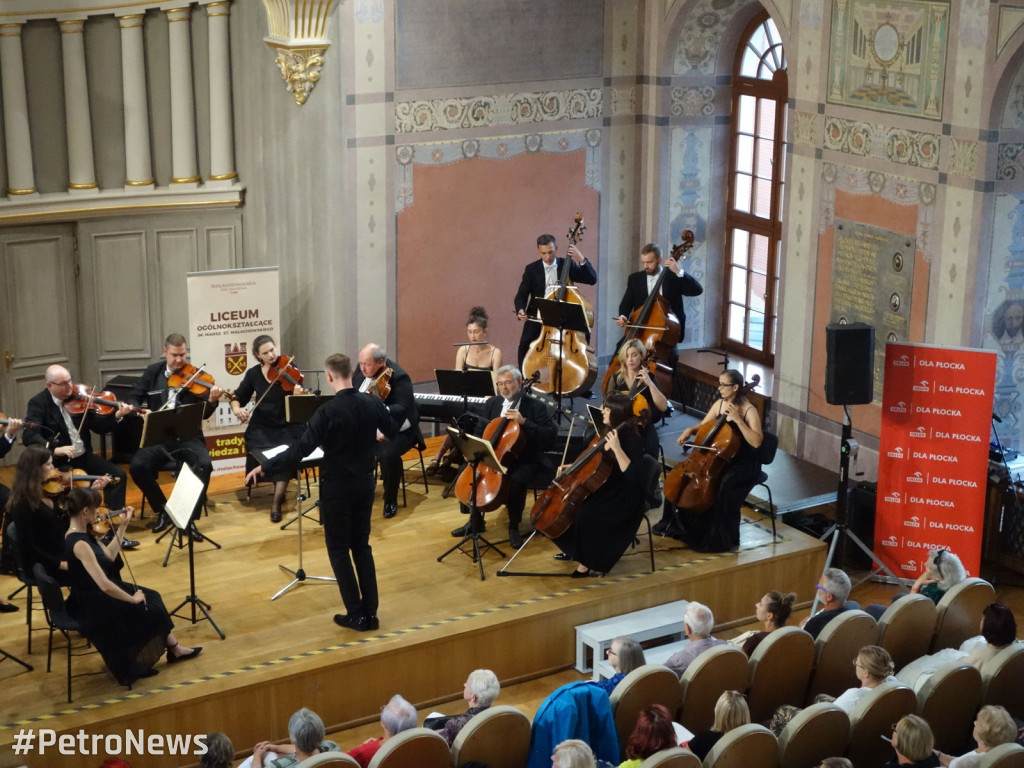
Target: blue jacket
pixel 574 711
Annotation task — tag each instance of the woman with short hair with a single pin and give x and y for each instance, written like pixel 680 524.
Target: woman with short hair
pixel 914 744
pixel 993 726
pixel 624 655
pixel 731 711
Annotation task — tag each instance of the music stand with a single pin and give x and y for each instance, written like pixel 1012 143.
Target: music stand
pixel 188 489
pixel 299 409
pixel 476 450
pixel 566 317
pixel 4 655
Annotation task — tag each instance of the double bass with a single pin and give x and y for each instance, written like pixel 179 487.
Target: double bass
pixel 693 483
pixel 563 360
pixel 655 324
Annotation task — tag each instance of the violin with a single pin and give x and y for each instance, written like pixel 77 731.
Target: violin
pixel 380 385
pixel 556 509
pixel 58 481
pixel 193 379
pixel 653 322
pixel 693 483
pixel 562 357
pixel 284 372
pixel 83 399
pixel 508 441
pixel 105 520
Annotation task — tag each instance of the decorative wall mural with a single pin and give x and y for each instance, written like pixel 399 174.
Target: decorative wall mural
pixel 886 142
pixel 501 109
pixel 700 39
pixel 889 56
pixel 691 164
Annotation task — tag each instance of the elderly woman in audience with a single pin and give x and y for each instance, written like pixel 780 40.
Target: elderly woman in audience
pixel 772 611
pixel 573 753
pixel 399 715
pixel 480 690
pixel 731 711
pixel 653 733
pixel 624 655
pixel 993 726
pixel 306 734
pixel 941 572
pixel 914 744
pixel 220 753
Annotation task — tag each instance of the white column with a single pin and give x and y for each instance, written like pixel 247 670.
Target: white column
pixel 222 150
pixel 184 169
pixel 18 140
pixel 81 167
pixel 137 162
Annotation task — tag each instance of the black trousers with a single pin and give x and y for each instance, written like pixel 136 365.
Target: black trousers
pixel 346 505
pixel 147 463
pixel 389 454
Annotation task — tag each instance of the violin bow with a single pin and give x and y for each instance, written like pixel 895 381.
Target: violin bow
pixel 265 391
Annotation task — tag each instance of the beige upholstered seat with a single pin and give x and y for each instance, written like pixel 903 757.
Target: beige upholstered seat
pixel 959 613
pixel 835 648
pixel 948 701
pixel 420 747
pixel 905 629
pixel 744 747
pixel 498 736
pixel 650 684
pixel 820 731
pixel 1004 756
pixel 721 668
pixel 1003 681
pixel 780 669
pixel 674 757
pixel 328 758
pixel 873 718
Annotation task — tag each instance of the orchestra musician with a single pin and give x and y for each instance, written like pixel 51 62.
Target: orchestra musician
pixel 405 432
pixel 480 356
pixel 633 377
pixel 539 277
pixel 127 623
pixel 346 428
pixel 677 283
pixel 718 528
pixel 152 393
pixel 266 426
pixel 534 419
pixel 6 443
pixel 607 521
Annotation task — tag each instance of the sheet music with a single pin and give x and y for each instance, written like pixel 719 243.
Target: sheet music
pixel 316 454
pixel 188 489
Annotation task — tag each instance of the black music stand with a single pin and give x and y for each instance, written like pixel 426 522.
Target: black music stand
pixel 188 490
pixel 4 655
pixel 299 409
pixel 476 451
pixel 464 384
pixel 566 316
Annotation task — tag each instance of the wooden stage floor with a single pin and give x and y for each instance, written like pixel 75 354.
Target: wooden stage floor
pixel 439 621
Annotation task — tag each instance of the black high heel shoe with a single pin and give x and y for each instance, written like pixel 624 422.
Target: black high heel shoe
pixel 172 659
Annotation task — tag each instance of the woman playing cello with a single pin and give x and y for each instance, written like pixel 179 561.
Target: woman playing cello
pixel 267 427
pixel 634 378
pixel 718 529
pixel 607 520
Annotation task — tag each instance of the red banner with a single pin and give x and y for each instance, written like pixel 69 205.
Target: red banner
pixel 933 454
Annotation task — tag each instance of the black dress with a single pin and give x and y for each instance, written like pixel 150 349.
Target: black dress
pixel 650 433
pixel 266 427
pixel 130 637
pixel 607 522
pixel 40 532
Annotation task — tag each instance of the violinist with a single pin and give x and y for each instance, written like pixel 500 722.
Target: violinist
pixel 534 419
pixel 634 378
pixel 127 623
pixel 152 392
pixel 266 425
pixel 6 443
pixel 68 437
pixel 538 277
pixel 718 529
pixel 373 363
pixel 676 284
pixel 607 521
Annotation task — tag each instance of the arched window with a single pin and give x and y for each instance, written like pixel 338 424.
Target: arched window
pixel 754 217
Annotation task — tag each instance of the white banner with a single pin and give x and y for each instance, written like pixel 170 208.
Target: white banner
pixel 227 309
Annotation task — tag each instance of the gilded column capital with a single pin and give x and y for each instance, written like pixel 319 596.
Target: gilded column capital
pixel 178 14
pixel 298 32
pixel 300 70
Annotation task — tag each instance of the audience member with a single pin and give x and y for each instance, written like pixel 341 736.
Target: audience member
pixel 834 586
pixel 698 621
pixel 220 753
pixel 914 744
pixel 399 715
pixel 480 690
pixel 573 753
pixel 993 726
pixel 731 711
pixel 653 733
pixel 624 655
pixel 772 611
pixel 835 762
pixel 941 572
pixel 306 734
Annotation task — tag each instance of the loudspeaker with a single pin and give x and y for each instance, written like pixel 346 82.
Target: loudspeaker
pixel 849 368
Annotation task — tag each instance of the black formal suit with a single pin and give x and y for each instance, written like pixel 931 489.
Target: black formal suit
pixel 540 431
pixel 52 432
pixel 532 287
pixel 673 288
pixel 345 427
pixel 150 391
pixel 401 406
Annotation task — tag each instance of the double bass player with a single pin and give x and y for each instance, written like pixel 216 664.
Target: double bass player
pixel 676 284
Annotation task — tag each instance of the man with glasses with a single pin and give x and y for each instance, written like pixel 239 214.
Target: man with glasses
pixel 834 586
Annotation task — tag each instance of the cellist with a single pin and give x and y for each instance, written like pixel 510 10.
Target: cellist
pixel 677 283
pixel 534 419
pixel 718 528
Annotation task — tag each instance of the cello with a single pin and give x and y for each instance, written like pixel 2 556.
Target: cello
pixel 508 441
pixel 562 358
pixel 655 324
pixel 693 483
